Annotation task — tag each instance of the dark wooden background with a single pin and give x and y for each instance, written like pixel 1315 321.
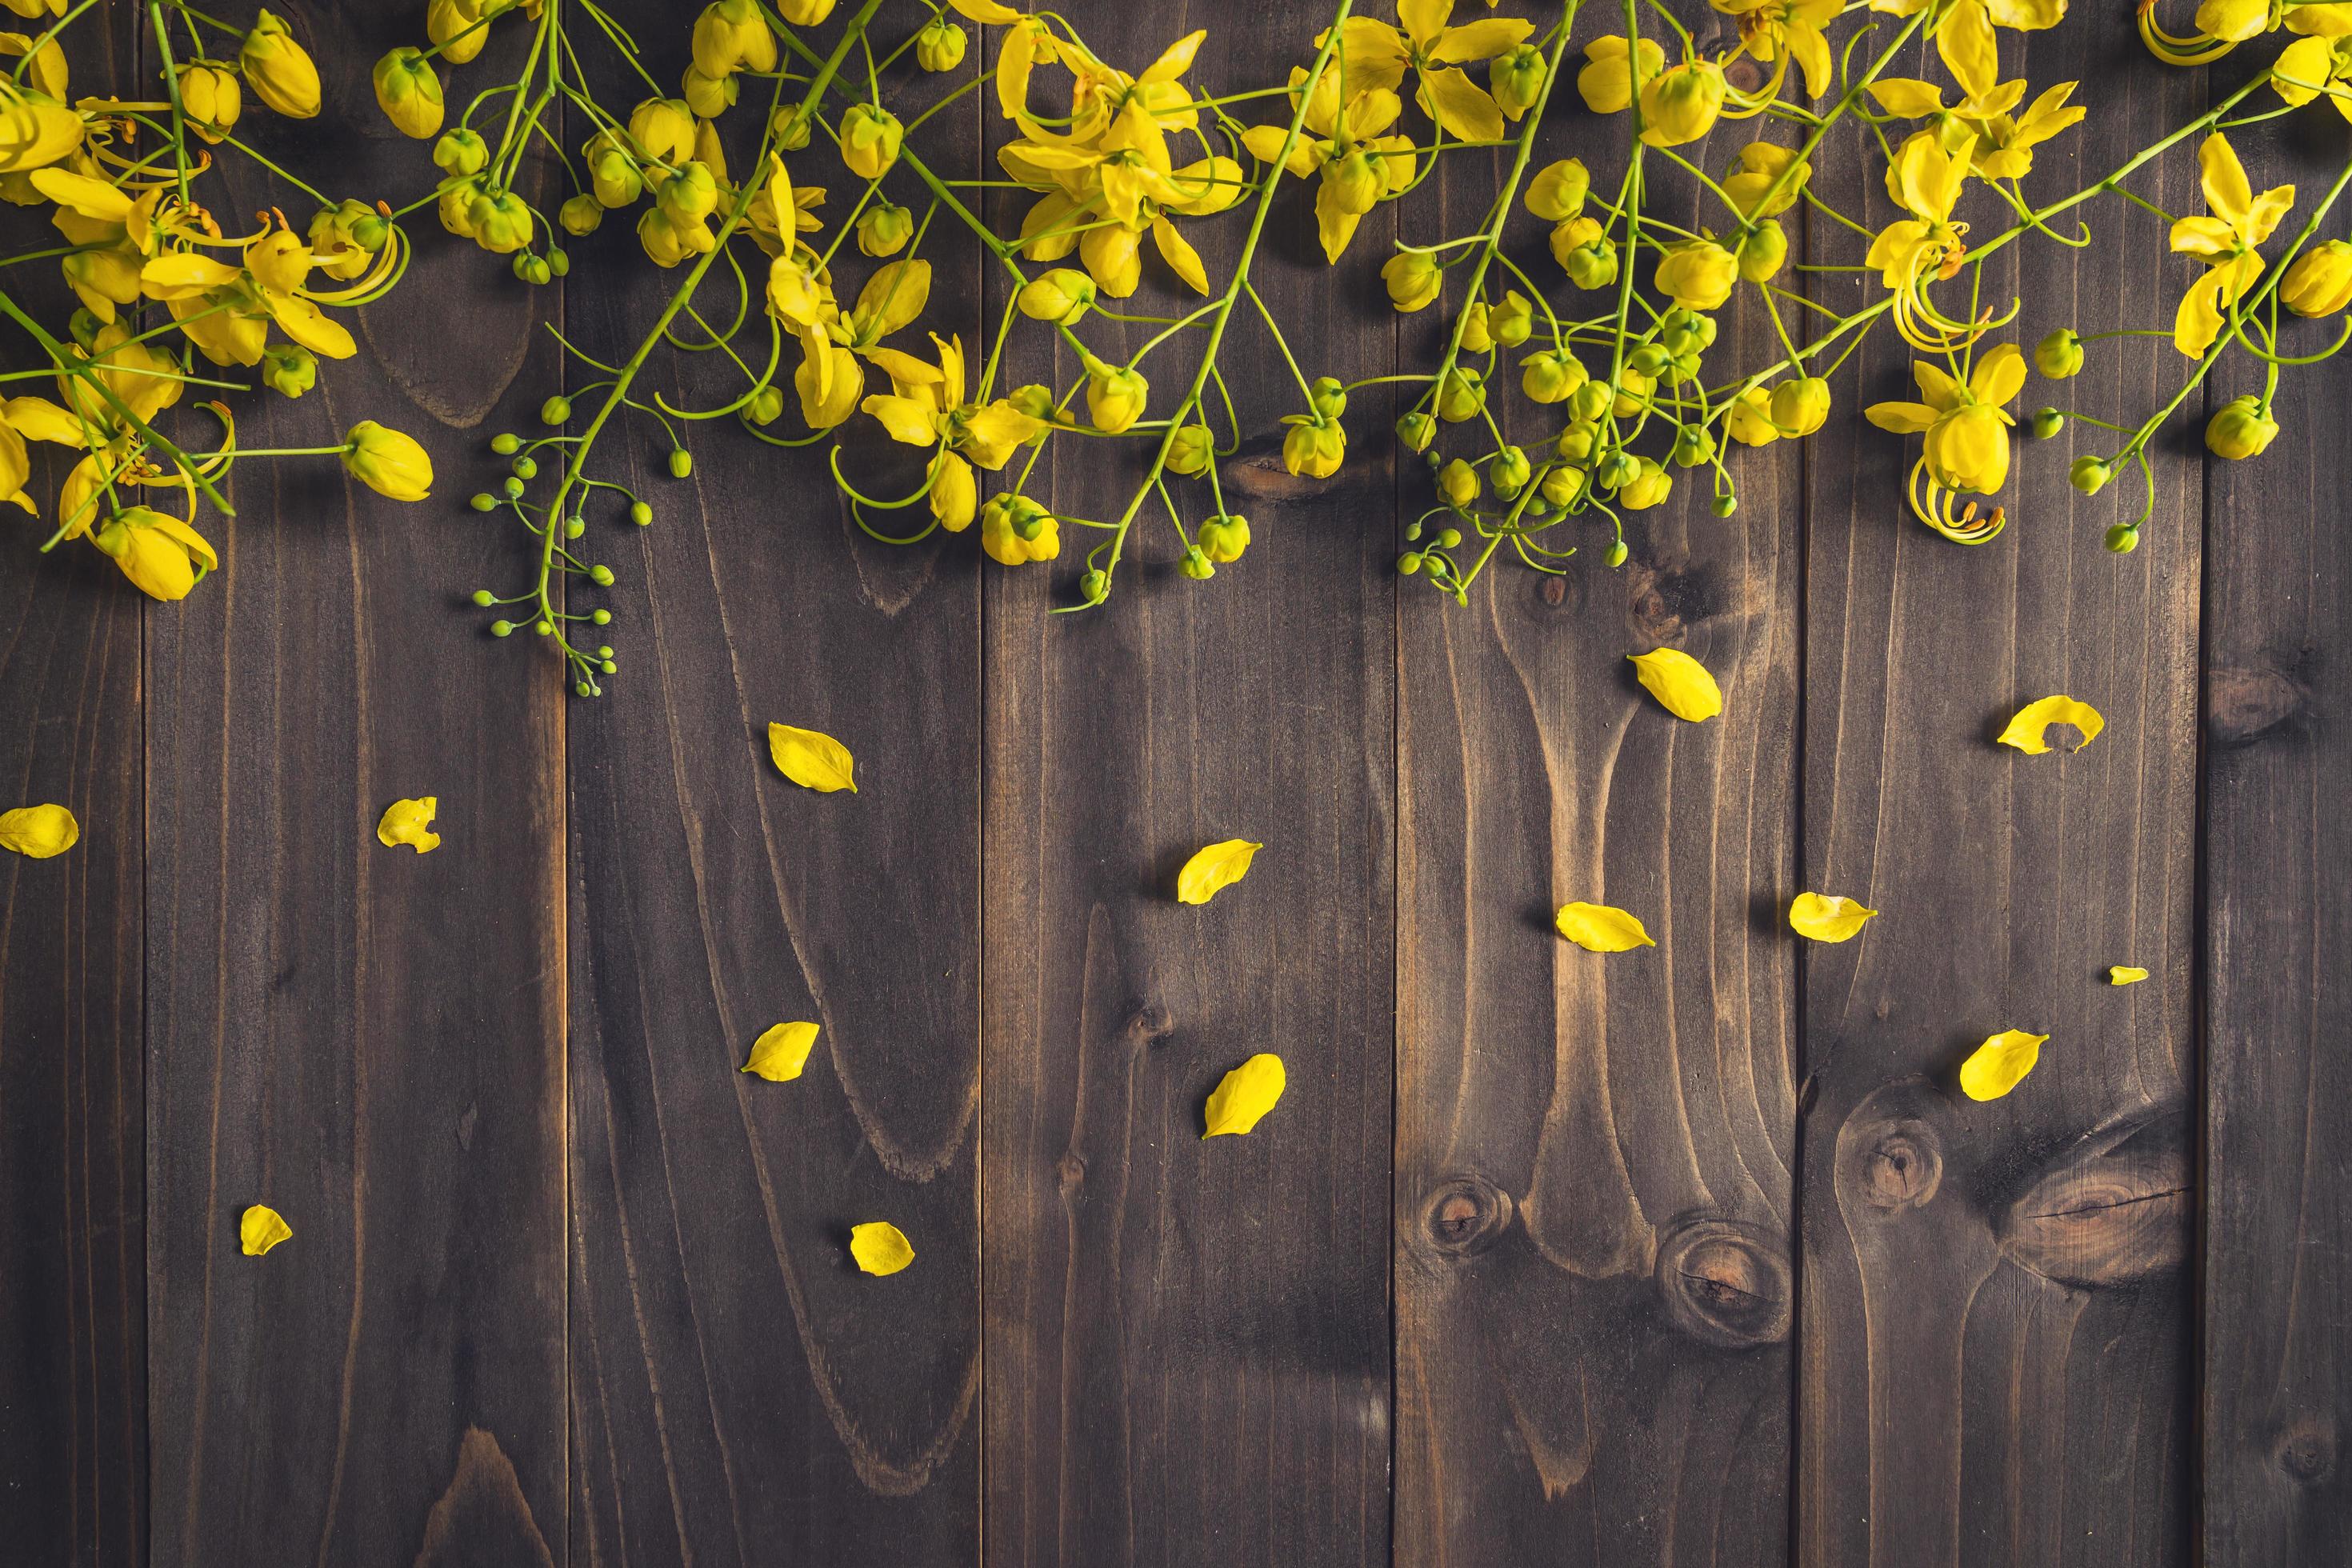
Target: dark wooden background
pixel 1689 1257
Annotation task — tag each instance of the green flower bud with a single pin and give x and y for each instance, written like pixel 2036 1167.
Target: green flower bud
pixel 1551 375
pixel 1448 538
pixel 1094 587
pixel 2059 355
pixel 1062 294
pixel 1412 279
pixel 600 575
pixel 767 405
pixel 681 462
pixel 2123 538
pixel 1591 400
pixel 1591 265
pixel 461 152
pixel 482 599
pixel 940 46
pixel 2241 429
pixel 1724 505
pixel 1561 485
pixel 526 469
pixel 1516 79
pixel 581 214
pixel 502 628
pixel 1330 398
pixel 1614 556
pixel 506 443
pixel 1408 562
pixel 2047 422
pixel 690 195
pixel 483 501
pixel 1651 360
pixel 501 221
pixel 1416 430
pixel 1191 451
pixel 2089 474
pixel 1512 321
pixel 1509 471
pixel 1762 252
pixel 1617 468
pixel 289 368
pixel 1222 539
pixel 1458 483
pixel 884 229
pixel 1461 395
pixel 1693 444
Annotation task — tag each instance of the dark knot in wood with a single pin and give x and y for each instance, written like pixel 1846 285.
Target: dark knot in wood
pixel 1465 1214
pixel 1895 1165
pixel 1725 1283
pixel 1070 1171
pixel 2306 1451
pixel 2244 705
pixel 2117 1208
pixel 1150 1021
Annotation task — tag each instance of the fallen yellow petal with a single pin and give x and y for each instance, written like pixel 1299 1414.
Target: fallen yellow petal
pixel 410 822
pixel 1679 683
pixel 2000 1064
pixel 1828 917
pixel 1597 928
pixel 39 831
pixel 2125 974
pixel 779 1055
pixel 1246 1093
pixel 1218 866
pixel 814 760
pixel 262 1228
pixel 880 1247
pixel 2025 731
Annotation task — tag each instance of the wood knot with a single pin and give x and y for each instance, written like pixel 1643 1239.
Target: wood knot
pixel 1150 1021
pixel 1744 75
pixel 2118 1207
pixel 1555 590
pixel 2306 1451
pixel 1725 1283
pixel 1896 1165
pixel 1463 1215
pixel 1070 1171
pixel 1660 604
pixel 1258 474
pixel 2244 705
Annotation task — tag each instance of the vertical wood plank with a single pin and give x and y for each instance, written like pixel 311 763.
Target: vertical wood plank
pixel 1994 1356
pixel 1188 1341
pixel 2278 1331
pixel 740 1393
pixel 1593 1189
pixel 366 1039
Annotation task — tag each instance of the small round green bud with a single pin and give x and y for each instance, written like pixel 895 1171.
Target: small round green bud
pixel 1447 538
pixel 526 467
pixel 482 598
pixel 506 443
pixel 603 617
pixel 1652 359
pixel 1408 562
pixel 2122 538
pixel 555 410
pixel 609 667
pixel 502 628
pixel 2059 355
pixel 1726 504
pixel 1331 398
pixel 1095 586
pixel 512 485
pixel 2047 422
pixel 605 651
pixel 583 688
pixel 1411 531
pixel 640 513
pixel 600 575
pixel 574 527
pixel 681 462
pixel 558 261
pixel 483 502
pixel 1617 468
pixel 1416 430
pixel 543 628
pixel 2089 474
pixel 1615 554
pixel 767 405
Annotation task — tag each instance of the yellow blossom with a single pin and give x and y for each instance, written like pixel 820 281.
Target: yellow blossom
pixel 388 462
pixel 280 70
pixel 163 555
pixel 1377 55
pixel 1015 530
pixel 1965 425
pixel 2224 241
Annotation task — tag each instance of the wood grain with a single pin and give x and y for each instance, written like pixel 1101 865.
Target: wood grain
pixel 1967 1390
pixel 1593 1153
pixel 1187 1339
pixel 2277 1406
pixel 740 1391
pixel 366 1039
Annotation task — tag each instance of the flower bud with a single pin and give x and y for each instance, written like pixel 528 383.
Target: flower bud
pixel 1697 275
pixel 2320 281
pixel 1516 79
pixel 1693 446
pixel 211 100
pixel 1314 446
pixel 461 152
pixel 1329 397
pixel 2089 474
pixel 940 46
pixel 1062 294
pixel 664 129
pixel 279 71
pixel 1037 403
pixel 1750 423
pixel 1680 103
pixel 1800 406
pixel 2059 355
pixel 1558 191
pixel 728 36
pixel 1222 539
pixel 2047 422
pixel 1551 375
pixel 1014 530
pixel 1614 556
pixel 1763 251
pixel 1476 339
pixel 1458 483
pixel 1585 253
pixel 1577 442
pixel 1617 469
pixel 1634 390
pixel 1461 395
pixel 1413 279
pixel 1651 360
pixel 613 176
pixel 1561 485
pixel 2123 538
pixel 767 405
pixel 555 410
pixel 289 368
pixel 161 556
pixel 681 462
pixel 884 228
pixel 1115 396
pixel 500 220
pixel 790 128
pixel 954 494
pixel 2242 428
pixel 804 13
pixel 1649 486
pixel 690 195
pixel 580 214
pixel 1353 181
pixel 709 96
pixel 1196 564
pixel 1512 321
pixel 408 92
pixel 1095 586
pixel 869 141
pixel 387 462
pixel 1191 451
pixel 1416 430
pixel 1509 471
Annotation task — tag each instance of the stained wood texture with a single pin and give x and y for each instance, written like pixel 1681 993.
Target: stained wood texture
pixel 2277 1406
pixel 740 1391
pixel 1187 1339
pixel 364 1039
pixel 1592 1193
pixel 1994 1352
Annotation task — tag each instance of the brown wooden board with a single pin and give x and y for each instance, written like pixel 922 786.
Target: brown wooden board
pixel 1188 1339
pixel 366 1039
pixel 2277 1395
pixel 1994 1346
pixel 740 1391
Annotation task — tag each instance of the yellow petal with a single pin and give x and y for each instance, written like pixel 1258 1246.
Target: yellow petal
pixel 2000 1064
pixel 1679 683
pixel 880 1247
pixel 779 1055
pixel 1828 917
pixel 1599 928
pixel 1178 252
pixel 1246 1093
pixel 1216 867
pixel 410 822
pixel 38 831
pixel 262 1228
pixel 2025 731
pixel 2125 974
pixel 809 758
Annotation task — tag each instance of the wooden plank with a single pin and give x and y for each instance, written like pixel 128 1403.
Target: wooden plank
pixel 1593 1154
pixel 1188 1340
pixel 740 1391
pixel 2277 1331
pixel 368 1040
pixel 1972 1388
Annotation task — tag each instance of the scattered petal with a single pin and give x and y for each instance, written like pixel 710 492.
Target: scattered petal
pixel 779 1055
pixel 2000 1064
pixel 39 831
pixel 2025 731
pixel 1216 867
pixel 262 1228
pixel 880 1247
pixel 808 758
pixel 410 822
pixel 2125 974
pixel 1597 928
pixel 1246 1093
pixel 1828 917
pixel 1679 683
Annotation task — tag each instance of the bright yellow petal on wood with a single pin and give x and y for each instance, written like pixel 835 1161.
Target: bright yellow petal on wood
pixel 1828 917
pixel 2000 1064
pixel 779 1054
pixel 2025 731
pixel 1679 683
pixel 2125 974
pixel 410 822
pixel 1216 867
pixel 38 831
pixel 880 1247
pixel 262 1228
pixel 1246 1093
pixel 1599 928
pixel 809 758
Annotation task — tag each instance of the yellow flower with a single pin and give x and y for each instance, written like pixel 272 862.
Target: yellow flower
pixel 1925 181
pixel 40 130
pixel 1828 917
pixel 1681 104
pixel 2240 428
pixel 1800 406
pixel 210 99
pixel 2000 146
pixel 1218 866
pixel 812 759
pixel 1607 82
pixel 410 822
pixel 2319 283
pixel 409 92
pixel 2026 731
pixel 1559 189
pixel 2224 241
pixel 880 1247
pixel 1244 1096
pixel 281 71
pixel 728 36
pixel 163 555
pixel 1754 173
pixel 1749 421
pixel 388 462
pixel 1601 928
pixel 1357 164
pixel 2000 1064
pixel 869 139
pixel 38 832
pixel 1062 294
pixel 954 493
pixel 1014 530
pixel 1965 425
pixel 261 1227
pixel 1779 31
pixel 927 405
pixel 1376 55
pixel 2309 67
pixel 780 1053
pixel 1697 275
pixel 1116 396
pixel 1680 683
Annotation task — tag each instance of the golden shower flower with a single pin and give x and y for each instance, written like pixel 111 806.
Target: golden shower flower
pixel 2225 242
pixel 210 99
pixel 2319 64
pixel 926 407
pixel 1315 445
pixel 1965 425
pixel 282 73
pixel 2319 283
pixel 1413 280
pixel 953 493
pixel 1925 181
pixel 163 556
pixel 1559 189
pixel 1697 275
pixel 1681 104
pixel 2240 428
pixel 1015 530
pixel 1115 396
pixel 1608 81
pixel 1377 55
pixel 1777 31
pixel 387 462
pixel 409 92
pixel 1801 407
pixel 869 139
